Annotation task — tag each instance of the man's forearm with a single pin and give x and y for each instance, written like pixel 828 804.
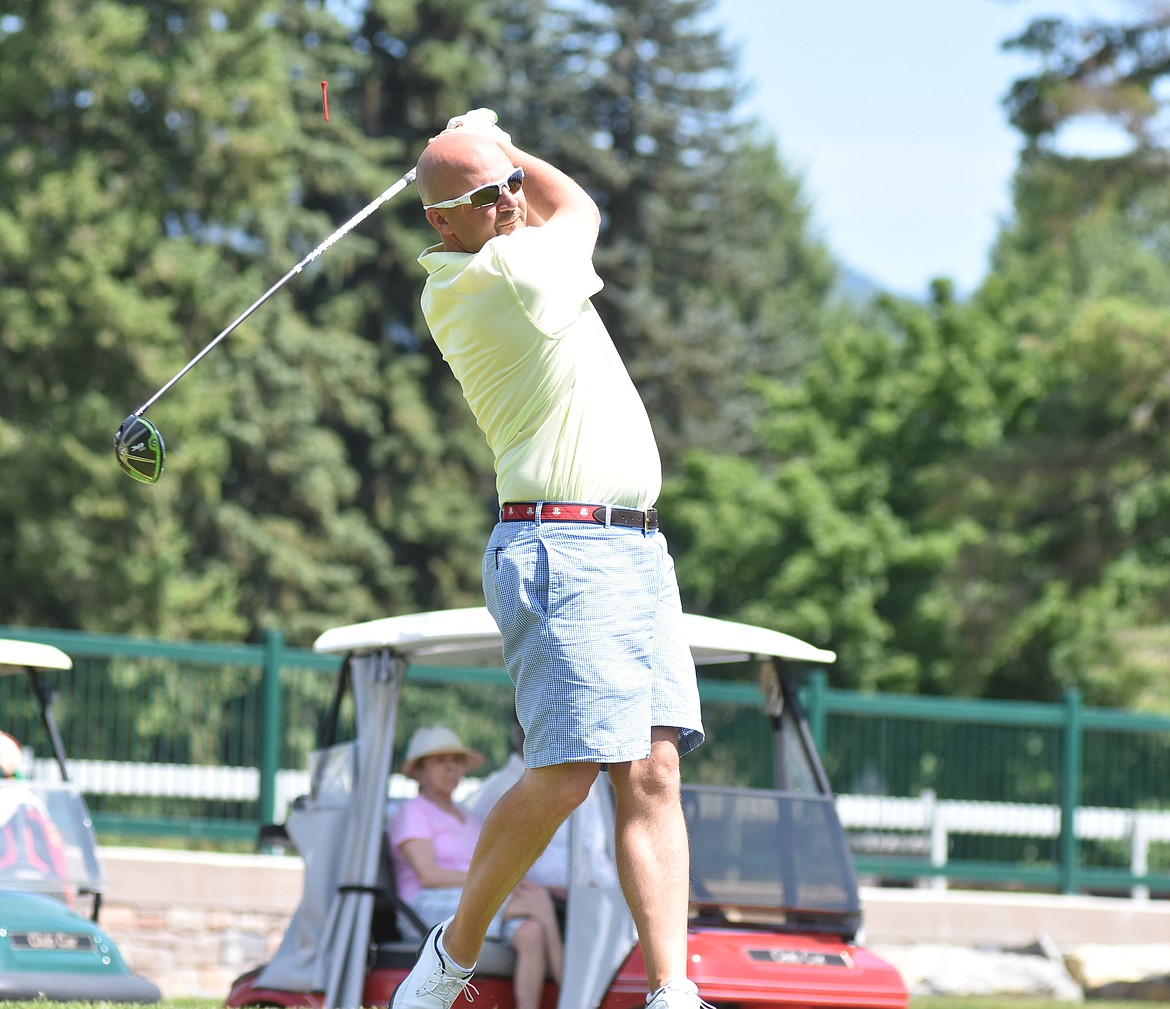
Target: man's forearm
pixel 548 189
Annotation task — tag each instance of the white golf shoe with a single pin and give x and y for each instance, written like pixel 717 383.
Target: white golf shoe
pixel 435 981
pixel 682 994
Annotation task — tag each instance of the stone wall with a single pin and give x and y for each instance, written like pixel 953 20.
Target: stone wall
pixel 192 922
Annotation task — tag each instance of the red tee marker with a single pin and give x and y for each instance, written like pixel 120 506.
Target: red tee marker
pixel 325 98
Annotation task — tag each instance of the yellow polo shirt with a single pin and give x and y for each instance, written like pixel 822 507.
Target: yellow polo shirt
pixel 540 371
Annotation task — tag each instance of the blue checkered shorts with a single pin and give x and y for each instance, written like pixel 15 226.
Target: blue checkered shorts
pixel 592 628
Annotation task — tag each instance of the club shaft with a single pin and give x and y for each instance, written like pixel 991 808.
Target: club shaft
pixel 340 233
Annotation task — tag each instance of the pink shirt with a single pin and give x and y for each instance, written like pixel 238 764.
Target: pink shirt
pixel 421 819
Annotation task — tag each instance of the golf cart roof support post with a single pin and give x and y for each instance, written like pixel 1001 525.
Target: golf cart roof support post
pixel 45 696
pixel 781 672
pixel 271 727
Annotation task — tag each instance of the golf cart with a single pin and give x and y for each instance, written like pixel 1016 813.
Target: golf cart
pixel 51 946
pixel 774 908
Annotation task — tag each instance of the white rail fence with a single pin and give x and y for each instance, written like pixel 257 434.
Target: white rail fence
pixel 919 825
pixel 925 825
pixel 174 781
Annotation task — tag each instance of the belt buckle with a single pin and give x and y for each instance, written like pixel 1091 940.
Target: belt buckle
pixel 646 515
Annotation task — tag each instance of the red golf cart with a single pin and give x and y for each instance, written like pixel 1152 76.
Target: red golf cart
pixel 774 903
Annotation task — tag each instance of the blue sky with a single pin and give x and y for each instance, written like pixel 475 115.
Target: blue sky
pixel 890 111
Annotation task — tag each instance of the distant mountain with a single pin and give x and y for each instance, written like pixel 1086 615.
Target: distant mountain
pixel 855 287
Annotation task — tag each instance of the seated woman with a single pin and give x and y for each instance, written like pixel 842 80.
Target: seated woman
pixel 433 838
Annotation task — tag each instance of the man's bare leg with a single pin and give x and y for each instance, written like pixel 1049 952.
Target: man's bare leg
pixel 653 855
pixel 516 831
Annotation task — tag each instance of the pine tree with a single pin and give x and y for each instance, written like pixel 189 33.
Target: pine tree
pixel 135 143
pixel 164 166
pixel 711 277
pixel 152 155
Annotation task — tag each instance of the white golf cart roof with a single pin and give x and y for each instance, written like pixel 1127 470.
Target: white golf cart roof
pixel 469 638
pixel 30 653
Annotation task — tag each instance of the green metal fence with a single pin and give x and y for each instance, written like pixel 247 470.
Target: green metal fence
pixel 194 740
pixel 141 702
pixel 1055 796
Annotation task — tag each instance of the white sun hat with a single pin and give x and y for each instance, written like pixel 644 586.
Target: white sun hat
pixel 431 740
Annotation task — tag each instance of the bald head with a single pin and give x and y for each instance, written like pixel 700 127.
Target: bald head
pixel 455 162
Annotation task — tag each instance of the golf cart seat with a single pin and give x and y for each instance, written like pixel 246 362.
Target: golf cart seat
pixel 394 920
pixel 396 931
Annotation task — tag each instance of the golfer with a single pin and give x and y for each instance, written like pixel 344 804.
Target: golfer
pixel 576 573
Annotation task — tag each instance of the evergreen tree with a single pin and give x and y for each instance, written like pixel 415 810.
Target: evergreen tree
pixel 154 157
pixel 136 144
pixel 423 471
pixel 971 498
pixel 711 276
pixel 842 536
pixel 1074 503
pixel 165 165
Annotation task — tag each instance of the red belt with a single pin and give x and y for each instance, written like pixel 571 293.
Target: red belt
pixel 561 511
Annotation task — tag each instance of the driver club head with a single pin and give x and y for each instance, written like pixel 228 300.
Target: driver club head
pixel 139 449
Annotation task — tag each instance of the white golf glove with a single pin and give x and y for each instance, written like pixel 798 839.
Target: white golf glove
pixel 481 122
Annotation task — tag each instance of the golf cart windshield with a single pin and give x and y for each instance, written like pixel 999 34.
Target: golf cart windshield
pixel 47 843
pixel 776 858
pixel 769 858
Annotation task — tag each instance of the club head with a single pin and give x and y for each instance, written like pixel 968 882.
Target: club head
pixel 139 449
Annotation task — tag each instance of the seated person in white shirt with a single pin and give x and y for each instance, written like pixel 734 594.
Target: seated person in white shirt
pixel 551 869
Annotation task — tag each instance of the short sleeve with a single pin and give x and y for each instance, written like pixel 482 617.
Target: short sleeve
pixel 551 272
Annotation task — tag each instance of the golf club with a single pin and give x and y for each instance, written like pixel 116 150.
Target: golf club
pixel 138 446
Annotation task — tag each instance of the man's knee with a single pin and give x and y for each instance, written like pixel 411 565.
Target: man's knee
pixel 562 786
pixel 655 778
pixel 658 776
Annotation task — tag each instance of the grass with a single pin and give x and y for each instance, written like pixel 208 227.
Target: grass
pixel 924 1002
pixel 167 1003
pixel 1007 1002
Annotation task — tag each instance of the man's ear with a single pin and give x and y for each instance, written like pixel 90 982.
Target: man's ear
pixel 438 220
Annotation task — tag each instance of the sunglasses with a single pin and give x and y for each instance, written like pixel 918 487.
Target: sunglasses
pixel 485 196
